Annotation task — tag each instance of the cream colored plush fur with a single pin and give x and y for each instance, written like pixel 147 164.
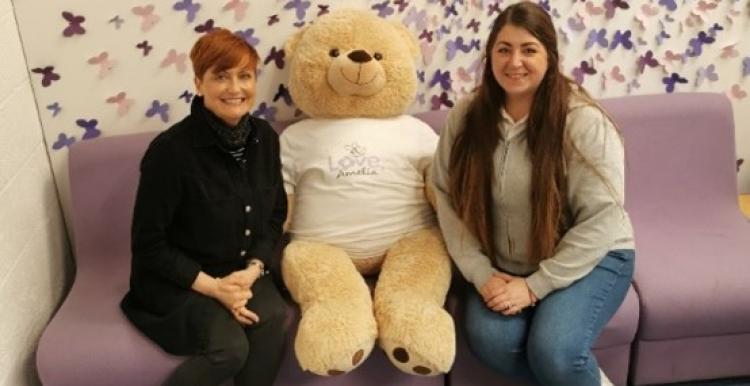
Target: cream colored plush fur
pixel 340 321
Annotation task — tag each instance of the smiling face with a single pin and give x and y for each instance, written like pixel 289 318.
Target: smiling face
pixel 519 62
pixel 228 93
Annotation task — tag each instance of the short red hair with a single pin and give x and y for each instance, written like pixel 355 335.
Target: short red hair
pixel 221 49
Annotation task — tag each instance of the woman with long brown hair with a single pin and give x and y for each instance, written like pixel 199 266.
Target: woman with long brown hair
pixel 529 180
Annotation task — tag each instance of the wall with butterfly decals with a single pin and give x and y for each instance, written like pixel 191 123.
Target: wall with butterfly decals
pixel 108 68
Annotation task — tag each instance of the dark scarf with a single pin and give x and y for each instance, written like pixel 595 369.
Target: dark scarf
pixel 231 138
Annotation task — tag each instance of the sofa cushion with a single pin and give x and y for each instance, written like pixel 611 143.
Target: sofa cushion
pixel 692 243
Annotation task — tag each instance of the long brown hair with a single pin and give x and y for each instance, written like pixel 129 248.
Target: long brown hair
pixel 471 166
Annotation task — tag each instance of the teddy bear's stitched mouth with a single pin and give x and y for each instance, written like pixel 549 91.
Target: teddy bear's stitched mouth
pixel 375 76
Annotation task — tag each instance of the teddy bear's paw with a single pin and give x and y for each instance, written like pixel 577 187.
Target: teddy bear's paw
pixel 332 343
pixel 418 340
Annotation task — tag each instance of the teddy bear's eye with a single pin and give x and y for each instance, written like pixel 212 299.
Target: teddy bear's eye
pixel 334 52
pixel 378 56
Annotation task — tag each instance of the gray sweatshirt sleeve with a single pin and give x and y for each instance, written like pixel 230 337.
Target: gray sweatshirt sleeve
pixel 462 245
pixel 596 194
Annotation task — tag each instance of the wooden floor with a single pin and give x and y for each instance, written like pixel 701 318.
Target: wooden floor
pixel 745 204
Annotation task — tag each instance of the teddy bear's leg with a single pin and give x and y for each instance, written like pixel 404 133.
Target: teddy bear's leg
pixel 337 331
pixel 415 331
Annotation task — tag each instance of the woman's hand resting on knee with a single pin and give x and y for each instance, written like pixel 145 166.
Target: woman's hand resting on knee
pixel 232 291
pixel 507 294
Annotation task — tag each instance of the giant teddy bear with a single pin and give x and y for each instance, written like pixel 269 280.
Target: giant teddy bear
pixel 355 175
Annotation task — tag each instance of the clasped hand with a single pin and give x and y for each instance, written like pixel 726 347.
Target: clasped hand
pixel 506 294
pixel 233 291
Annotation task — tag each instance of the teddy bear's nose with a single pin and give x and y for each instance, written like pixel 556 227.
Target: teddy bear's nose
pixel 359 56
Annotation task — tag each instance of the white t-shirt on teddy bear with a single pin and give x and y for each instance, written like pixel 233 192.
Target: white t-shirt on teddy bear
pixel 358 182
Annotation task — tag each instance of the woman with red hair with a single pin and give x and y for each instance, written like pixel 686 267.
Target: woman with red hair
pixel 208 213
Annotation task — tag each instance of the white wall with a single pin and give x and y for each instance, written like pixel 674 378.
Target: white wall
pixel 116 27
pixel 33 243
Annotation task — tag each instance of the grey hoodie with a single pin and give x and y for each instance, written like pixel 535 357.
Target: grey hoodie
pixel 594 219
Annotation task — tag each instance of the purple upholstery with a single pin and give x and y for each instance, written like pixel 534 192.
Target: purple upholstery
pixel 691 281
pixel 89 341
pixel 693 245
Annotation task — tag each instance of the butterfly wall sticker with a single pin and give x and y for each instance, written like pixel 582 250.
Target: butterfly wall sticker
pixel 48 74
pixel 191 9
pixel 158 109
pixel 75 26
pixel 239 7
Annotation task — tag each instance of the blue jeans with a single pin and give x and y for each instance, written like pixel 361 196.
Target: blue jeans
pixel 550 344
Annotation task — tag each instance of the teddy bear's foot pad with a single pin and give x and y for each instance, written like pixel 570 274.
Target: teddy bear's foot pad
pixel 402 355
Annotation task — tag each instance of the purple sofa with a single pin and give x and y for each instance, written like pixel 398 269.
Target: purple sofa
pixel 89 342
pixel 687 316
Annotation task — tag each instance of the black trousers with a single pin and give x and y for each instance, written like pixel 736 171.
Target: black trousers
pixel 249 354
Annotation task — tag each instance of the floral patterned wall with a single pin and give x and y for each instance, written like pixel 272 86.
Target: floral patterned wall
pixel 102 68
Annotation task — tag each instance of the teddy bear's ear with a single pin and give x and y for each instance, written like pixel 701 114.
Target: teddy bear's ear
pixel 291 44
pixel 408 38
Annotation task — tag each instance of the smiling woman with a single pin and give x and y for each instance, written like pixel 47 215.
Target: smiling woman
pixel 208 212
pixel 529 181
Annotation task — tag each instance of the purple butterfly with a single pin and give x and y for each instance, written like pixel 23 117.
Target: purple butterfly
pixel 661 36
pixel 580 72
pixel 598 37
pixel 715 28
pixel 187 96
pixel 247 35
pixel 672 80
pixel 746 66
pixel 117 20
pixel 189 7
pixel 55 108
pixel 158 108
pixel 266 112
pixel 611 6
pixel 670 4
pixel 145 47
pixel 450 10
pixel 493 8
pixel 323 9
pixel 708 72
pixel 90 127
pixel 426 35
pixel 545 5
pixel 299 6
pixel 420 98
pixel 48 75
pixel 402 4
pixel 474 25
pixel 63 141
pixel 576 23
pixel 696 44
pixel 441 100
pixel 283 93
pixel 647 60
pixel 458 45
pixel 277 56
pixel 443 78
pixel 74 24
pixel 419 18
pixel 621 38
pixel 383 9
pixel 206 27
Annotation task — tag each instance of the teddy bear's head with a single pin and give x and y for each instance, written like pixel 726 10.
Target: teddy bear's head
pixel 351 63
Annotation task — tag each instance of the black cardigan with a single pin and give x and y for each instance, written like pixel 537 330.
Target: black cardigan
pixel 198 209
